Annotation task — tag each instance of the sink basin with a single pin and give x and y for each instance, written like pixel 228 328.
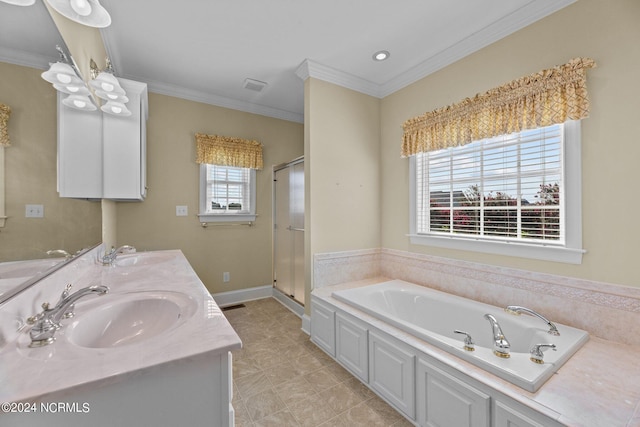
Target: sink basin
pixel 125 319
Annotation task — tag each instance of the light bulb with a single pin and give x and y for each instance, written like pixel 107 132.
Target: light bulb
pixel 107 87
pixel 78 103
pixel 116 110
pixel 81 7
pixel 63 78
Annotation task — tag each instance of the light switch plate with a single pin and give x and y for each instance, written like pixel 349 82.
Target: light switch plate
pixel 34 211
pixel 182 211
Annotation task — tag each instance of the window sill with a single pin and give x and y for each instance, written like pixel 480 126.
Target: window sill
pixel 522 250
pixel 239 217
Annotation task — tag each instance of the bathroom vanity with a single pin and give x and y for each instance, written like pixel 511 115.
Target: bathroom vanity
pixel 154 350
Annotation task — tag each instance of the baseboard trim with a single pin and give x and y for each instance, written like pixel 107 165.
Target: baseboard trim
pixel 224 299
pixel 288 302
pixel 306 324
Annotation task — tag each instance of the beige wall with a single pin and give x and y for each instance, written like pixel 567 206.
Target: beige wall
pixel 609 33
pixel 342 171
pixel 173 179
pixel 30 165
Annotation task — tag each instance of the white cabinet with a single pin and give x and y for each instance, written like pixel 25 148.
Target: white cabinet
pixel 392 372
pixel 443 400
pixel 509 415
pixel 101 156
pixel 352 349
pixel 323 326
pixel 125 147
pixel 79 152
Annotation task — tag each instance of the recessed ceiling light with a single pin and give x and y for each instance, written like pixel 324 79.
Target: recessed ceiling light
pixel 381 55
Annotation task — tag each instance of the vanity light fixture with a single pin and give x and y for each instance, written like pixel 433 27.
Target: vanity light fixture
pixel 381 55
pixel 65 78
pixel 105 84
pixel 85 12
pixel 19 2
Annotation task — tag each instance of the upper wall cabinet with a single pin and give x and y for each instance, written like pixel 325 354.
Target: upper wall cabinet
pixel 101 156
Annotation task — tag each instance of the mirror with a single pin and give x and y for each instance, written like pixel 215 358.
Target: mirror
pixel 38 220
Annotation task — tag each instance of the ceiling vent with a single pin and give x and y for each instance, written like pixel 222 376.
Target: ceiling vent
pixel 254 85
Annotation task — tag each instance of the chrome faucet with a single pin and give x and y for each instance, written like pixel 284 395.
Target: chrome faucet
pixel 517 310
pixel 501 345
pixel 109 258
pixel 536 355
pixel 47 323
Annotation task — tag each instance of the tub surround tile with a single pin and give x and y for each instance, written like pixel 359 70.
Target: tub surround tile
pixel 602 309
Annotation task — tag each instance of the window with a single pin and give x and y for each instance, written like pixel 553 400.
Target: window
pixel 516 194
pixel 227 193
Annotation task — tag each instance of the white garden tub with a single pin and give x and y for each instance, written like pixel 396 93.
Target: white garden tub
pixel 433 316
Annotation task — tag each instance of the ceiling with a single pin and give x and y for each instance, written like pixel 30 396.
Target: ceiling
pixel 203 50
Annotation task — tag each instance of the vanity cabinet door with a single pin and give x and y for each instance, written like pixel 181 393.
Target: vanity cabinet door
pixel 323 327
pixel 79 152
pixel 352 349
pixel 392 372
pixel 125 146
pixel 444 400
pixel 508 416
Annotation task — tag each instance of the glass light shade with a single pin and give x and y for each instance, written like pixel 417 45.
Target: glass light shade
pixel 85 12
pixel 116 108
pixel 112 96
pixel 79 102
pixel 20 2
pixel 61 73
pixel 107 82
pixel 72 89
pixel 81 7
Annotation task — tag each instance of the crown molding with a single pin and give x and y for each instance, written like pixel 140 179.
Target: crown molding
pixel 221 101
pixel 310 68
pixel 526 15
pixel 16 57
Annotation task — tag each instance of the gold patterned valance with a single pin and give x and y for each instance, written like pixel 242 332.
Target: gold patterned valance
pixel 5 111
pixel 228 151
pixel 547 97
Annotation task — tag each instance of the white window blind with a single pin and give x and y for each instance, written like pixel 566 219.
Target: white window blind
pixel 227 189
pixel 507 188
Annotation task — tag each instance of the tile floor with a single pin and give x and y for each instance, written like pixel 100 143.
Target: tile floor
pixel 282 379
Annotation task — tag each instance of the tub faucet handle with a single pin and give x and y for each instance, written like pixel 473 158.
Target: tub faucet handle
pixel 536 352
pixel 469 345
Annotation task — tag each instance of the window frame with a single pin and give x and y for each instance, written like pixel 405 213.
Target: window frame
pixel 570 252
pixel 226 216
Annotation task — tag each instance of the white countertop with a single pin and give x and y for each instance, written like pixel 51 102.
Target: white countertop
pixel 35 374
pixel 599 386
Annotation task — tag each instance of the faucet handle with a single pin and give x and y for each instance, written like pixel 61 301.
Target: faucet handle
pixel 536 352
pixel 469 345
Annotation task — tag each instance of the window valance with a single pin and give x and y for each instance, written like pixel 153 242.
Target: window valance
pixel 5 111
pixel 547 97
pixel 228 151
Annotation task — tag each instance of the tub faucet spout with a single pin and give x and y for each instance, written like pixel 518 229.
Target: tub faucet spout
pixel 517 310
pixel 501 345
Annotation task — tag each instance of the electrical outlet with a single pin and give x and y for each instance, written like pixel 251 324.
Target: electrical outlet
pixel 182 210
pixel 226 277
pixel 34 211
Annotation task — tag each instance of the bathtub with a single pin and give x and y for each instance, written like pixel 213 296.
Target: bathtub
pixel 433 316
